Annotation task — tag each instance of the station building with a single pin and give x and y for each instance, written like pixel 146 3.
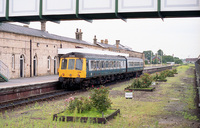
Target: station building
pixel 29 52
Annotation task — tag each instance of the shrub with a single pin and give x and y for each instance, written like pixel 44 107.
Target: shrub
pixel 155 77
pixel 100 99
pixel 163 75
pixel 136 83
pixel 75 104
pixel 170 74
pixel 82 105
pixel 174 71
pixel 146 80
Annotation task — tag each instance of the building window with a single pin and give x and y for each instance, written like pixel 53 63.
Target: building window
pixel 60 45
pixel 48 62
pixel 13 62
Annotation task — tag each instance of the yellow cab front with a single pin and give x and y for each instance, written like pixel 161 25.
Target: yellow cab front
pixel 72 67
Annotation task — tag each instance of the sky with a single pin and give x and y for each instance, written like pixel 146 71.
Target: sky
pixel 178 36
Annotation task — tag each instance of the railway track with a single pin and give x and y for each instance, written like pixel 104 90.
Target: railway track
pixel 9 104
pixel 43 97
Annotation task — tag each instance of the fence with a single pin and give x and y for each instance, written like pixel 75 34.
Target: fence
pixel 197 75
pixel 197 68
pixel 4 71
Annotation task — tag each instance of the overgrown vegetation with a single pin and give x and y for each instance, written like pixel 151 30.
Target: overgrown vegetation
pixel 157 109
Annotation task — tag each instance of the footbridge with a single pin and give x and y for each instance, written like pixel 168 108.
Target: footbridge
pixel 57 10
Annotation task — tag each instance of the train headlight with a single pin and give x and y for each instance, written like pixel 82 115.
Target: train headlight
pixel 63 74
pixel 78 75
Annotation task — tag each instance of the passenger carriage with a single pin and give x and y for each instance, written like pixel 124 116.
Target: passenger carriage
pixel 83 69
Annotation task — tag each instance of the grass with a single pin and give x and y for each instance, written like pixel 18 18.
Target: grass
pixel 146 109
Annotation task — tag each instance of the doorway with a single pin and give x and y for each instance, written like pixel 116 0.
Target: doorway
pixel 55 65
pixel 35 66
pixel 22 66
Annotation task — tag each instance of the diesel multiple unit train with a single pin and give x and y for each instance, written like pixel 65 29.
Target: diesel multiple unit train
pixel 82 69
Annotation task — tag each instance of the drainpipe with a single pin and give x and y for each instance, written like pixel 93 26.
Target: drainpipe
pixel 30 58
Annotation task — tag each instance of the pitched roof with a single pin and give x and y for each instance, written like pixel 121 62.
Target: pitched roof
pixel 6 27
pixel 113 46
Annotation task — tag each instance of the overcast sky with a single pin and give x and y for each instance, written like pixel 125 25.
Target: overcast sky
pixel 178 36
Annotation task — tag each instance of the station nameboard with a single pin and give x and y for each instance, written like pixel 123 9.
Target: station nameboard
pixel 2 8
pixel 96 6
pixel 180 5
pixel 56 7
pixel 24 7
pixel 137 5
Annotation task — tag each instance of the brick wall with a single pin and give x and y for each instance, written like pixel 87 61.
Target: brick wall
pixel 12 44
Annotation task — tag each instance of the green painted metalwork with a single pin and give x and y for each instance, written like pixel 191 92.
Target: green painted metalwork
pixel 116 11
pixel 41 12
pixel 41 4
pixel 77 13
pixel 7 9
pixel 159 10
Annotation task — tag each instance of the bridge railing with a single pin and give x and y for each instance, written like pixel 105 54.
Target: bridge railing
pixel 4 71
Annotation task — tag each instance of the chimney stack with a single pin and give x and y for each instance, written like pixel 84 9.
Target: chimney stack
pixel 43 25
pixel 78 34
pixel 106 41
pixel 102 41
pixel 117 43
pixel 95 39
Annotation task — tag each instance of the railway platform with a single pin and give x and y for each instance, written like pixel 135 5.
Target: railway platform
pixel 26 87
pixel 28 81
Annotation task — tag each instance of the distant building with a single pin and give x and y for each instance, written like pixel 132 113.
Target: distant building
pixel 30 52
pixel 156 57
pixel 191 60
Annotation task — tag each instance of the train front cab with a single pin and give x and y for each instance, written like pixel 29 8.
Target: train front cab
pixel 72 70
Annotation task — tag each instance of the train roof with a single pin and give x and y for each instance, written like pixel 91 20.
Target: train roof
pixel 89 51
pixel 87 55
pixel 134 59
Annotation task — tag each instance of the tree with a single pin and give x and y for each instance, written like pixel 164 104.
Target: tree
pixel 160 52
pixel 168 58
pixel 177 60
pixel 148 55
pixel 146 61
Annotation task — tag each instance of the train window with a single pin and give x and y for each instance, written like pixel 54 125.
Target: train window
pixel 92 64
pixel 117 64
pixel 107 64
pixel 79 64
pixel 95 65
pixel 98 65
pixel 71 64
pixel 110 64
pixel 64 64
pixel 104 64
pixel 120 64
pixel 101 64
pixel 114 64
